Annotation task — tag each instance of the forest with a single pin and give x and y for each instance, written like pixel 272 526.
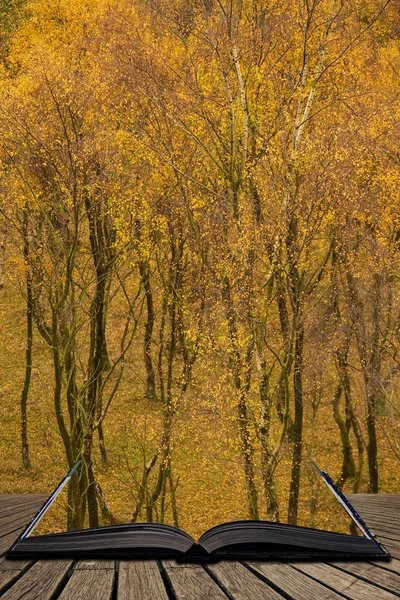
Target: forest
pixel 199 255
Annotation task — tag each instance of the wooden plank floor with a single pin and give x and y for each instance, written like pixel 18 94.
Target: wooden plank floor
pixel 168 580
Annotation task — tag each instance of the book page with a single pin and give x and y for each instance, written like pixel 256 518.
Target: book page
pixel 210 490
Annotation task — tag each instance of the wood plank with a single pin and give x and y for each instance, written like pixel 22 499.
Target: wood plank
pixel 7 578
pixel 385 529
pixel 40 581
pixel 378 523
pixel 380 518
pixel 7 540
pixel 14 499
pixel 193 583
pixel 13 525
pixel 22 515
pixel 391 547
pixel 372 573
pixel 173 564
pixel 373 522
pixel 6 509
pixel 390 565
pixel 375 509
pixel 383 512
pixel 389 542
pixel 241 583
pixel 13 565
pixel 140 580
pixel 6 497
pixel 292 582
pixel 381 535
pixel 11 570
pixel 95 565
pixel 380 514
pixel 93 583
pixel 342 582
pixel 14 503
pixel 375 497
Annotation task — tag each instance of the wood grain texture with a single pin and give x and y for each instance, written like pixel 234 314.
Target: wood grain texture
pixel 11 570
pixel 6 497
pixel 377 508
pixel 15 524
pixel 7 540
pixel 89 584
pixel 19 518
pixel 193 583
pixel 173 564
pixel 95 565
pixel 140 580
pixel 21 513
pixel 373 574
pixel 16 511
pixel 391 565
pixel 292 582
pixel 24 499
pixel 378 528
pixel 342 582
pixel 13 565
pixel 382 518
pixel 40 581
pixel 241 583
pixel 10 506
pixel 7 578
pixel 375 497
pixel 392 546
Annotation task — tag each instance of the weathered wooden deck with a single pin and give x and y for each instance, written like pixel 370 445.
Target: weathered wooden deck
pixel 167 580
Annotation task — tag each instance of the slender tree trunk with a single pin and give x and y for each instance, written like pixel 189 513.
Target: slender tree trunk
pixel 148 334
pixel 297 425
pixel 370 358
pixel 28 351
pixel 27 379
pixel 360 451
pixel 100 242
pixel 374 379
pixel 269 458
pixel 172 488
pixel 58 378
pixel 248 454
pixel 76 509
pixel 92 504
pixel 372 447
pixel 163 469
pixel 2 257
pixel 102 444
pixel 106 513
pixel 247 445
pixel 268 465
pixel 348 466
pixel 281 399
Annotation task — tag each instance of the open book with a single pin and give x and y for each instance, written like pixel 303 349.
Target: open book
pixel 237 539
